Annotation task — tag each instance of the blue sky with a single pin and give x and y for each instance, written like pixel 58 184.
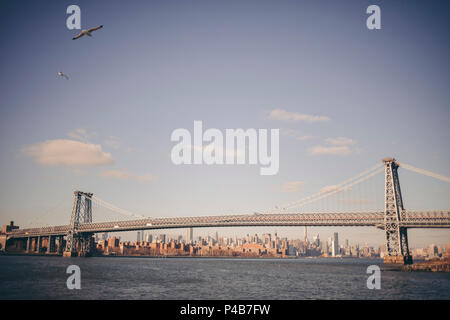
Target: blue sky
pixel 159 65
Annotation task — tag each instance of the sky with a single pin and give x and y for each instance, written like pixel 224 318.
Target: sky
pixel 343 97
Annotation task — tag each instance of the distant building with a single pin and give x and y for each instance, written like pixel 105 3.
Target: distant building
pixel 432 250
pixel 316 240
pixel 335 245
pixel 189 235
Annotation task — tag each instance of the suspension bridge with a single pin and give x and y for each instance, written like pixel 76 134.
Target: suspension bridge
pixel 76 238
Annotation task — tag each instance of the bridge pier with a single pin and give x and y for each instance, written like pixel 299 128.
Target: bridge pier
pixel 60 244
pixel 51 244
pixel 39 244
pixel 398 260
pixel 28 245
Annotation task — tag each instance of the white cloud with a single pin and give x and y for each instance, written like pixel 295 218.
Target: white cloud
pixel 281 114
pixel 341 141
pixel 292 186
pixel 68 153
pixel 125 175
pixel 330 150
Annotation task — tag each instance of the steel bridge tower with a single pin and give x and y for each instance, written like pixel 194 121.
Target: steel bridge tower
pixel 79 243
pixel 394 213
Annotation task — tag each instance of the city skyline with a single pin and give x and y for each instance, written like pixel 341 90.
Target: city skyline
pixel 334 89
pixel 316 246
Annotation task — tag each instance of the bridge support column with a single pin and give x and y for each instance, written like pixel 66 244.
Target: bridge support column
pixel 86 245
pixel 28 245
pixel 396 235
pixel 51 244
pixel 60 244
pixel 38 245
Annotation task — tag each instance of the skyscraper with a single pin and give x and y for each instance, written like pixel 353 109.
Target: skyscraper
pixel 189 235
pixel 335 245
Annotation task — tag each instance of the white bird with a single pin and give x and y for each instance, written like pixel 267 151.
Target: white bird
pixel 87 32
pixel 63 75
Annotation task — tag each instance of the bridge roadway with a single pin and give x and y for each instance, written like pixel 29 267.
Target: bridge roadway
pixel 415 219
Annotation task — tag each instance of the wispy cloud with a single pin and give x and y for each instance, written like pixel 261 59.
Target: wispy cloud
pixel 340 146
pixel 125 175
pixel 112 142
pixel 281 114
pixel 334 188
pixel 80 134
pixel 340 141
pixel 68 153
pixel 292 186
pixel 330 150
pixel 295 134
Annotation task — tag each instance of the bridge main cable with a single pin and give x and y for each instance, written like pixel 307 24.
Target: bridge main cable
pixel 424 172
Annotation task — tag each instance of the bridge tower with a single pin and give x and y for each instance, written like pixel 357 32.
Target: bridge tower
pixel 396 235
pixel 80 243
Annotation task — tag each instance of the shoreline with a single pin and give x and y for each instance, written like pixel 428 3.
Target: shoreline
pixel 192 257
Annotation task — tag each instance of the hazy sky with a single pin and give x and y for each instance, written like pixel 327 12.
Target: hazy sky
pixel 159 65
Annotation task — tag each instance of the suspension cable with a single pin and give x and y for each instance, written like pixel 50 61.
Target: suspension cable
pixel 323 192
pixel 425 172
pixel 112 207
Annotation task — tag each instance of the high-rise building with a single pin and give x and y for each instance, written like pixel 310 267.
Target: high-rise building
pixel 316 240
pixel 189 235
pixel 306 235
pixel 335 245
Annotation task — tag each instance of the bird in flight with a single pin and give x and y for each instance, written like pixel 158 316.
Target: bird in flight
pixel 87 32
pixel 63 75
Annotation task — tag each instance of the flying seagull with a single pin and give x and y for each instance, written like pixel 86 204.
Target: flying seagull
pixel 63 75
pixel 87 32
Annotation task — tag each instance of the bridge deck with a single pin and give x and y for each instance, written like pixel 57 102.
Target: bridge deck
pixel 415 219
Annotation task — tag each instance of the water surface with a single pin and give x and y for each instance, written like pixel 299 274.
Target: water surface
pixel 40 277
